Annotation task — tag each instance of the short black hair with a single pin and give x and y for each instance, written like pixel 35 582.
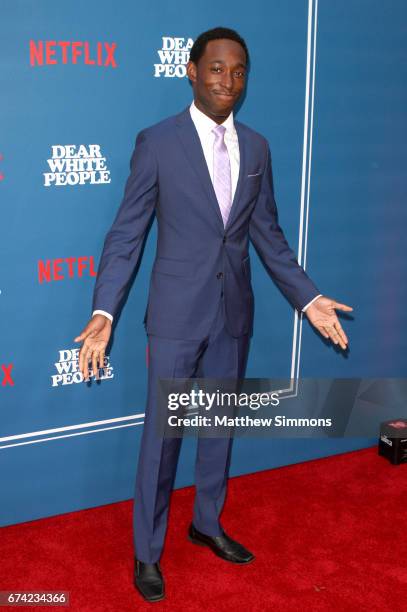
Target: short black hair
pixel 198 48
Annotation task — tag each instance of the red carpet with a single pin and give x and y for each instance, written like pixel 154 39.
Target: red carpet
pixel 329 534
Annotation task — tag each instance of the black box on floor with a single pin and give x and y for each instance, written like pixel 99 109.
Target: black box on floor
pixel 393 441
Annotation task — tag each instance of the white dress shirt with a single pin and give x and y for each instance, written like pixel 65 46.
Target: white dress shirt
pixel 204 126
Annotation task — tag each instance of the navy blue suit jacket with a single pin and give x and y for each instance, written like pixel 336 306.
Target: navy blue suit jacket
pixel 197 258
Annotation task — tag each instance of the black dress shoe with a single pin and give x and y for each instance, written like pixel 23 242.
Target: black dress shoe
pixel 149 580
pixel 222 545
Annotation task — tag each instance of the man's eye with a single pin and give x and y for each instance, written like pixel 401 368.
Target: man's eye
pixel 216 69
pixel 239 74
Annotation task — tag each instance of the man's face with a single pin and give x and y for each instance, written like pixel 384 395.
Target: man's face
pixel 219 78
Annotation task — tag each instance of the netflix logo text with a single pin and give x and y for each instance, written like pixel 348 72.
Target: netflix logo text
pixel 51 52
pixel 63 268
pixel 5 373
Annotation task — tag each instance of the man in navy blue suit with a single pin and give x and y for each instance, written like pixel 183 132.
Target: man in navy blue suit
pixel 208 179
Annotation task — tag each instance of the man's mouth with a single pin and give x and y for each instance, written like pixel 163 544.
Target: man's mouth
pixel 224 94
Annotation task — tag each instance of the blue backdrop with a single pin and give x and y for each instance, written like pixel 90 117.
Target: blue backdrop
pixel 327 88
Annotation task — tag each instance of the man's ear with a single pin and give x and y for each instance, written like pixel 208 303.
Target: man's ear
pixel 191 71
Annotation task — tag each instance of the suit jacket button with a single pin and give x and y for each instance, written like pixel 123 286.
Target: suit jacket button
pixel 219 275
pixel 224 239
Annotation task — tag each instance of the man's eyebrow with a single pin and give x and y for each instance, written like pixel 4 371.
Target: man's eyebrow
pixel 219 61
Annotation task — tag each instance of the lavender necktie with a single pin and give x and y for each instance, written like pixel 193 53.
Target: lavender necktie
pixel 222 182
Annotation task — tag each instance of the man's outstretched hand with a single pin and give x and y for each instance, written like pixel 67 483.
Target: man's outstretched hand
pixel 95 337
pixel 322 315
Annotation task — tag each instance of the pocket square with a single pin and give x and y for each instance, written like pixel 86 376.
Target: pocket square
pixel 255 174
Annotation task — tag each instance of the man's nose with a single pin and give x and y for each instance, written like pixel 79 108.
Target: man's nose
pixel 227 80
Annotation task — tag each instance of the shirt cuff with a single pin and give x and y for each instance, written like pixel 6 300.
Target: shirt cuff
pixel 104 313
pixel 309 303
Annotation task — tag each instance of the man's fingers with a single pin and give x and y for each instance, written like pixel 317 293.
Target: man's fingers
pixel 102 358
pixel 322 331
pixel 84 349
pixel 95 355
pixel 343 307
pixel 88 356
pixel 82 355
pixel 328 330
pixel 91 352
pixel 81 358
pixel 340 331
pixel 334 335
pixel 91 349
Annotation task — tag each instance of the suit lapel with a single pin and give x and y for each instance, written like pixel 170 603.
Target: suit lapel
pixel 195 155
pixel 242 174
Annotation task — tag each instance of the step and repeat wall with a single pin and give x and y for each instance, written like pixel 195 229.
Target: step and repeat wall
pixel 78 82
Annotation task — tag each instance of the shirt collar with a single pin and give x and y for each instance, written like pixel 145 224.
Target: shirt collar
pixel 205 124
